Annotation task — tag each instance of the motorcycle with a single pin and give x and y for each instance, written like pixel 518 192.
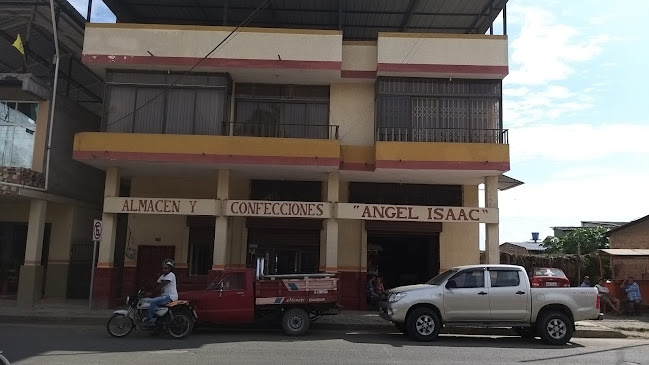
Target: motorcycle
pixel 177 318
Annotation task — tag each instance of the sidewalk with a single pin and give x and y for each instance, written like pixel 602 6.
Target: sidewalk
pixel 77 312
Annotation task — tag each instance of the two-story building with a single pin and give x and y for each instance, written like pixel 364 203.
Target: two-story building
pixel 47 199
pixel 339 136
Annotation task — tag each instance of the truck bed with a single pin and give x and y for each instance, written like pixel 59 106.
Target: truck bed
pixel 300 290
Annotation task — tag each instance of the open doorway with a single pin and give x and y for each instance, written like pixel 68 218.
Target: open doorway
pixel 403 259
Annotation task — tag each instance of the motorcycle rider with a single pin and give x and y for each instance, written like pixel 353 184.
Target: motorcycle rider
pixel 168 292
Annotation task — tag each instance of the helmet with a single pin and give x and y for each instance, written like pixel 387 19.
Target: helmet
pixel 169 262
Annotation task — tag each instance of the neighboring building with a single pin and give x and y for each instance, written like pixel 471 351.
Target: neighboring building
pixel 523 248
pixel 341 136
pixel 47 200
pixel 562 231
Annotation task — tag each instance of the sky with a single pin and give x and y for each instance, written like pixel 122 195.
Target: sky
pixel 574 106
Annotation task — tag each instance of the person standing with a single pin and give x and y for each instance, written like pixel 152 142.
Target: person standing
pixel 633 296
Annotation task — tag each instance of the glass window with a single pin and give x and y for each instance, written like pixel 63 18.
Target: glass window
pixel 234 281
pixel 504 278
pixel 468 279
pixel 17 133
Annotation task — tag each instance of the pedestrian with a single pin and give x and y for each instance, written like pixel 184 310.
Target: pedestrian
pixel 586 282
pixel 633 299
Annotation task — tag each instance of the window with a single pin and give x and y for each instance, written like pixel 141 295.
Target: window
pixel 285 111
pixel 468 279
pixel 504 278
pixel 234 281
pixel 439 110
pixel 17 133
pixel 152 102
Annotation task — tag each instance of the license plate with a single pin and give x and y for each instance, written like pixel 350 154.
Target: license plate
pixel 551 283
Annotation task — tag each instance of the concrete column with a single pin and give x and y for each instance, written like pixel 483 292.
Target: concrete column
pixel 105 288
pixel 221 232
pixel 331 224
pixel 30 283
pixel 492 244
pixel 63 226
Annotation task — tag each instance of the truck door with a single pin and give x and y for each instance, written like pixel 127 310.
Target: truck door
pixel 231 300
pixel 465 297
pixel 509 295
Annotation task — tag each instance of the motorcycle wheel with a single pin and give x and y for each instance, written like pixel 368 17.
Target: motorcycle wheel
pixel 120 325
pixel 180 325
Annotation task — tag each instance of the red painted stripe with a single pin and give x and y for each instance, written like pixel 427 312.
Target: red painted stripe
pixel 357 166
pixel 442 165
pixel 210 62
pixel 205 158
pixel 437 68
pixel 349 74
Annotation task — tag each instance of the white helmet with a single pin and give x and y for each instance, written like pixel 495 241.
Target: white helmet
pixel 169 262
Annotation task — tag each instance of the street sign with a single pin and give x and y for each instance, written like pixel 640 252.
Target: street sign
pixel 96 230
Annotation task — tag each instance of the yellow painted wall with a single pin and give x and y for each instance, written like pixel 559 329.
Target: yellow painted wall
pixel 443 49
pixel 351 107
pixel 460 242
pixel 442 151
pixel 197 41
pixel 359 56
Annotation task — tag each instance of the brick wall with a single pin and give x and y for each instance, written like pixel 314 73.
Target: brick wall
pixel 635 236
pixel 20 176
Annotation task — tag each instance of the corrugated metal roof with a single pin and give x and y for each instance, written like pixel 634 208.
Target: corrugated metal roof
pixel 358 19
pixel 625 251
pixel 84 86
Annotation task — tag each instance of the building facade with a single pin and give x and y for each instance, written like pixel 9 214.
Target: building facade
pixel 307 137
pixel 47 199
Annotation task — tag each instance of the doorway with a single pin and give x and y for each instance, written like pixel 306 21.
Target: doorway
pixel 403 259
pixel 149 262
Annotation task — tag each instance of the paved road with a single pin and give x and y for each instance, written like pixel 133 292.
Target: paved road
pixel 72 345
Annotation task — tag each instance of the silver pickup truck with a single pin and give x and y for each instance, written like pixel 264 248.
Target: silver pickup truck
pixel 489 296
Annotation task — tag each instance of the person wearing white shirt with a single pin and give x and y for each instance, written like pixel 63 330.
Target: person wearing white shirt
pixel 168 291
pixel 606 297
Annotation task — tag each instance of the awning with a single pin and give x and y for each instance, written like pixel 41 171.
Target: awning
pixel 506 182
pixel 625 251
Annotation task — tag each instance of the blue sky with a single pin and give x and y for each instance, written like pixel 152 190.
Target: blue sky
pixel 574 104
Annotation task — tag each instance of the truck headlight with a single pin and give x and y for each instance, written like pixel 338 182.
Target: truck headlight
pixel 395 297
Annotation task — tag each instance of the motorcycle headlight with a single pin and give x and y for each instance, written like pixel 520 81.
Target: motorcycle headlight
pixel 395 297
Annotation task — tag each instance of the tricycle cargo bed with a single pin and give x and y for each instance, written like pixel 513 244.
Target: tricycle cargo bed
pixel 296 291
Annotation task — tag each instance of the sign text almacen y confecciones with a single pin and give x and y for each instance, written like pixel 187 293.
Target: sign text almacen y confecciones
pixel 416 213
pixel 162 206
pixel 264 208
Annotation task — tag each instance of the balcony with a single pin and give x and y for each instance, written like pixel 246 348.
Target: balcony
pixel 281 130
pixel 450 135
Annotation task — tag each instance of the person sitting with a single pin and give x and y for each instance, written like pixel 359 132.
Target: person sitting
pixel 373 297
pixel 586 282
pixel 606 298
pixel 380 288
pixel 633 299
pixel 168 292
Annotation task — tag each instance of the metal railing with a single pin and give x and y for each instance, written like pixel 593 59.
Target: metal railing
pixel 455 135
pixel 280 130
pixel 17 145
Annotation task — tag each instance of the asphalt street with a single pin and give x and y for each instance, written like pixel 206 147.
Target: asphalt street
pixel 71 345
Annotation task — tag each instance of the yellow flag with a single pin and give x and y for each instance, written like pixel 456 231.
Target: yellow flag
pixel 19 45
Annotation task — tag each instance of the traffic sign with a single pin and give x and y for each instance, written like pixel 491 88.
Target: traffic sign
pixel 96 230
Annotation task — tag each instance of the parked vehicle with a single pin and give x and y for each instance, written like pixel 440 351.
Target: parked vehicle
pixel 247 295
pixel 489 296
pixel 177 318
pixel 546 277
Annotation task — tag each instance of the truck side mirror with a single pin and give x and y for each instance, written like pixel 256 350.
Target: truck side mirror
pixel 451 284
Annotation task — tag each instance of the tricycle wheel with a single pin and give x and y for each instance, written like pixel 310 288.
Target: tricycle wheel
pixel 295 322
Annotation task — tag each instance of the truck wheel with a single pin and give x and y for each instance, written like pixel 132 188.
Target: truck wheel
pixel 295 322
pixel 555 328
pixel 401 327
pixel 423 324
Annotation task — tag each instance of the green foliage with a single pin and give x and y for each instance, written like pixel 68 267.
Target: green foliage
pixel 581 240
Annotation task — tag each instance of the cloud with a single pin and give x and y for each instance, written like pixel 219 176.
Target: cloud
pixel 546 51
pixel 100 12
pixel 524 106
pixel 577 142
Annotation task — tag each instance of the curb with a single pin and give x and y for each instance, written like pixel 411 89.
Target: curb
pixel 579 333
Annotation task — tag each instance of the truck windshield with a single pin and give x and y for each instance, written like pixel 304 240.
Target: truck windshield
pixel 437 280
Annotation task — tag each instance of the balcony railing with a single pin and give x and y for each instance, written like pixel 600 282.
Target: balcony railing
pixel 456 135
pixel 280 130
pixel 16 145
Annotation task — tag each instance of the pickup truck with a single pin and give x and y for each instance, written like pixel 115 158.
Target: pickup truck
pixel 240 296
pixel 489 296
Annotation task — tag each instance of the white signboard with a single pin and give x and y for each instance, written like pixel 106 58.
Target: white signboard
pixel 134 205
pixel 416 213
pixel 96 230
pixel 265 208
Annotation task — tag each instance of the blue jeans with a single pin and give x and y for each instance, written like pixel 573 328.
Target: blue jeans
pixel 156 303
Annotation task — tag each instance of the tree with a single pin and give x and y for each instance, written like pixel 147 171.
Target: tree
pixel 580 241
